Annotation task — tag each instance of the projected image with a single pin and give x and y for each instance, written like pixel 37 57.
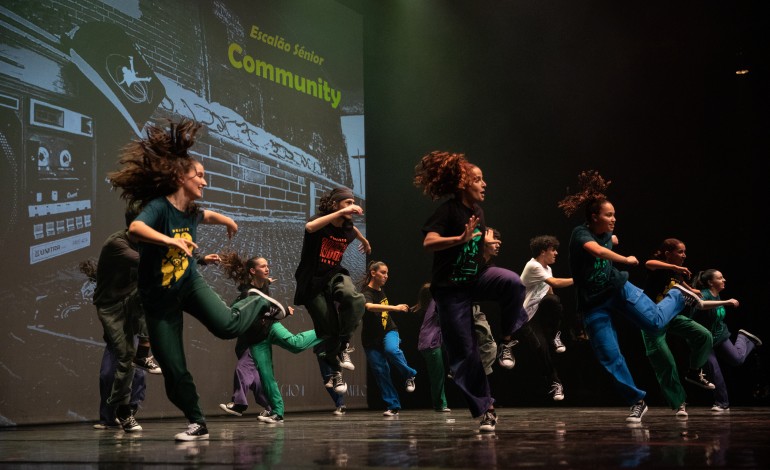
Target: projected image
pixel 278 86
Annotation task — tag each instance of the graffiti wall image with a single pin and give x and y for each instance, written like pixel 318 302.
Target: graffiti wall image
pixel 276 85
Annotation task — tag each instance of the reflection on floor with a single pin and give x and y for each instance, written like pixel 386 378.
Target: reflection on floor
pixel 552 437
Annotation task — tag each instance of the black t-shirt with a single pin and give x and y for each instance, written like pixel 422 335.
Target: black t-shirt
pixel 659 282
pixel 320 259
pixel 116 271
pixel 459 265
pixel 374 325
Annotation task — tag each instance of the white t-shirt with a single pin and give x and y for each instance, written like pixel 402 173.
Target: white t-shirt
pixel 533 277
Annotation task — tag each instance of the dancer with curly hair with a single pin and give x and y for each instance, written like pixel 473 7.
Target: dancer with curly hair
pixel 602 289
pixel 324 287
pixel 455 235
pixel 160 176
pixel 711 283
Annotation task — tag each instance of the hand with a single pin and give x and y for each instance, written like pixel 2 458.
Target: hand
pixel 232 227
pixel 183 244
pixel 352 209
pixel 469 228
pixel 631 260
pixel 402 307
pixel 291 310
pixel 365 247
pixel 211 259
pixel 271 280
pixel 734 302
pixel 684 271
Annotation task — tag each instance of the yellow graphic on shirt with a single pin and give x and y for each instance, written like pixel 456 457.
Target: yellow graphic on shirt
pixel 384 315
pixel 175 263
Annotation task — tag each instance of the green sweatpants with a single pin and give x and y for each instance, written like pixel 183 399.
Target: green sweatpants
pixel 662 361
pixel 262 353
pixel 164 323
pixel 334 324
pixel 434 359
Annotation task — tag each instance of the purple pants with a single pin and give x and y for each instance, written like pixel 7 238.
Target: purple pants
pixel 455 310
pixel 246 378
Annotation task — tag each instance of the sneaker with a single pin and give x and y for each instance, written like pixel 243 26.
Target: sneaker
pixel 329 382
pixel 129 424
pixel 691 299
pixel 345 361
pixel 148 363
pixel 275 311
pixel 195 432
pixel 698 377
pixel 557 344
pixel 340 387
pixel 390 413
pixel 557 391
pixel 505 356
pixel 681 412
pixel 233 408
pixel 717 408
pixel 488 421
pixel 443 410
pixel 273 419
pixel 340 411
pixel 637 411
pixel 264 415
pixel 410 384
pixel 753 338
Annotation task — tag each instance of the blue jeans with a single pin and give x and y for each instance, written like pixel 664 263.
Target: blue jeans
pixel 632 303
pixel 380 360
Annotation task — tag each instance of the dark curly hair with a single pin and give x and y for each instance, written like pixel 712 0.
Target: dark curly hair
pixel 236 268
pixel 590 195
pixel 153 167
pixel 442 173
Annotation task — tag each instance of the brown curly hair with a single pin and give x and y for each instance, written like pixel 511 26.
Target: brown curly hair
pixel 442 173
pixel 591 194
pixel 153 167
pixel 236 268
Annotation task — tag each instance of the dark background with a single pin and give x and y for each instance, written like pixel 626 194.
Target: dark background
pixel 535 92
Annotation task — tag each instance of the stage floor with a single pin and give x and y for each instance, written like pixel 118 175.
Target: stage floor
pixel 553 437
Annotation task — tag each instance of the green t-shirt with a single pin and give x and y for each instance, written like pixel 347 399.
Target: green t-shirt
pixel 596 279
pixel 162 268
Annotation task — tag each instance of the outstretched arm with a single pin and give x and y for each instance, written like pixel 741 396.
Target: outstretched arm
pixel 600 252
pixel 321 222
pixel 215 218
pixel 365 247
pixel 142 232
pixel 386 308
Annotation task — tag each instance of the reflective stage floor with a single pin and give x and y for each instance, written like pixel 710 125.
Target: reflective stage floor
pixel 553 437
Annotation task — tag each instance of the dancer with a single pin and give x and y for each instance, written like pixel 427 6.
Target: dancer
pixel 602 289
pixel 455 234
pixel 430 346
pixel 666 270
pixel 252 277
pixel 711 283
pixel 379 336
pixel 324 287
pixel 122 317
pixel 484 337
pixel 159 175
pixel 542 332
